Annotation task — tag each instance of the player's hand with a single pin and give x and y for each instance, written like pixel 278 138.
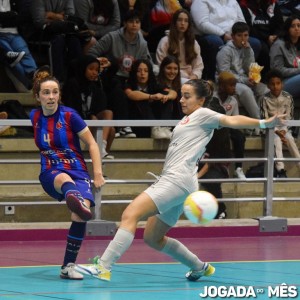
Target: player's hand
pixel 276 120
pixel 99 181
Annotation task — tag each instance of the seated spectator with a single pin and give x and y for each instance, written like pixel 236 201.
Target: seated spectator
pixel 125 46
pixel 227 98
pixel 141 7
pixel 285 56
pixel 236 57
pixel 278 101
pixel 218 147
pixel 100 16
pixel 83 92
pixel 54 21
pixel 180 42
pixel 213 21
pixel 169 78
pixel 265 21
pixel 151 101
pixel 20 70
pixel 160 15
pixel 10 58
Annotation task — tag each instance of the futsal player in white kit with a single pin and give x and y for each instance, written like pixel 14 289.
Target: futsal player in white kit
pixel 162 203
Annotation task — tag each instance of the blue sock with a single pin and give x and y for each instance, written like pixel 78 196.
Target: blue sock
pixel 74 241
pixel 67 187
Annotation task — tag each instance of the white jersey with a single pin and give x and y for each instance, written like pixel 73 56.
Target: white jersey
pixel 188 144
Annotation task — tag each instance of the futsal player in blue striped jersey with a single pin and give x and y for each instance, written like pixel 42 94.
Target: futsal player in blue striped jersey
pixel 58 131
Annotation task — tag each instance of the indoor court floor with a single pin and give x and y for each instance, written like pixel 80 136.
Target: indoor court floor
pixel 246 267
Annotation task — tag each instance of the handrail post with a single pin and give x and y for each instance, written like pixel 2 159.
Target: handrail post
pixel 269 172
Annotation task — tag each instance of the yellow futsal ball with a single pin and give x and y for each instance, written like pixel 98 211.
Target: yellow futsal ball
pixel 200 207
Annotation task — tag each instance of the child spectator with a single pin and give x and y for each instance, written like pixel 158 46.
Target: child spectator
pixel 169 78
pixel 125 46
pixel 180 42
pixel 285 56
pixel 226 95
pixel 84 93
pixel 100 16
pixel 236 57
pixel 151 101
pixel 278 101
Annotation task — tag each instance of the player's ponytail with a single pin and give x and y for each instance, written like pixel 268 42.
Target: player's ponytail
pixel 203 89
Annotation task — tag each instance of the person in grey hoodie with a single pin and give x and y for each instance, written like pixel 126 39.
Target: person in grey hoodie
pixel 125 46
pixel 285 56
pixel 236 57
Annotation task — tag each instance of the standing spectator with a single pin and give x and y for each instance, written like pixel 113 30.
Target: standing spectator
pixel 236 57
pixel 58 131
pixel 285 56
pixel 151 101
pixel 213 21
pixel 180 42
pixel 19 70
pixel 265 21
pixel 125 46
pixel 278 101
pixel 227 98
pixel 83 91
pixel 55 22
pixel 100 16
pixel 169 78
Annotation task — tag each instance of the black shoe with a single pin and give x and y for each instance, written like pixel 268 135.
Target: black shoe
pixel 281 173
pixel 12 58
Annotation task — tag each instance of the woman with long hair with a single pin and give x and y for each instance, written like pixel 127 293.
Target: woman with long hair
pixel 180 42
pixel 285 55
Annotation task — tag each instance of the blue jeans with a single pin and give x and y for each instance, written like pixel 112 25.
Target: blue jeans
pixel 210 44
pixel 292 85
pixel 27 65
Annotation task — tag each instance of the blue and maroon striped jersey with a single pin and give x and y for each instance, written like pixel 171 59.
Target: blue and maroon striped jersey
pixel 56 137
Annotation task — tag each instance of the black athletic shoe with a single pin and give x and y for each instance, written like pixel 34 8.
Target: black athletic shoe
pixel 12 58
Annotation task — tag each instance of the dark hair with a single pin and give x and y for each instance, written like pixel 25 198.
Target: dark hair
pixel 239 27
pixel 203 89
pixel 161 78
pixel 190 53
pixel 106 8
pixel 285 32
pixel 132 80
pixel 274 73
pixel 132 15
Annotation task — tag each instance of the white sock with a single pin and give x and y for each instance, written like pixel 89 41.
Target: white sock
pixel 116 247
pixel 182 254
pixel 104 152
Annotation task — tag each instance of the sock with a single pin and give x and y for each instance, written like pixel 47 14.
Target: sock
pixel 116 248
pixel 74 240
pixel 104 152
pixel 182 254
pixel 67 187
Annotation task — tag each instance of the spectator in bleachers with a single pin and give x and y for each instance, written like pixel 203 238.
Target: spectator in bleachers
pixel 285 56
pixel 83 91
pixel 226 95
pixel 160 15
pixel 10 58
pixel 141 7
pixel 150 101
pixel 125 46
pixel 100 16
pixel 20 71
pixel 180 42
pixel 55 22
pixel 236 57
pixel 265 21
pixel 213 20
pixel 278 101
pixel 169 78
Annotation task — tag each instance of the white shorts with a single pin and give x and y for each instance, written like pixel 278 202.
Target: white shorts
pixel 168 196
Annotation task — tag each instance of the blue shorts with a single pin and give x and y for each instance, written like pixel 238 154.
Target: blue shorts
pixel 81 179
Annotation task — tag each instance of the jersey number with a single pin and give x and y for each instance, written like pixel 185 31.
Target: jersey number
pixel 47 139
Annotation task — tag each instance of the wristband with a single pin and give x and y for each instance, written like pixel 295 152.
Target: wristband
pixel 262 124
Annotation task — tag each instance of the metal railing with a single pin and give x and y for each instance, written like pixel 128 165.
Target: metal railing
pixel 268 159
